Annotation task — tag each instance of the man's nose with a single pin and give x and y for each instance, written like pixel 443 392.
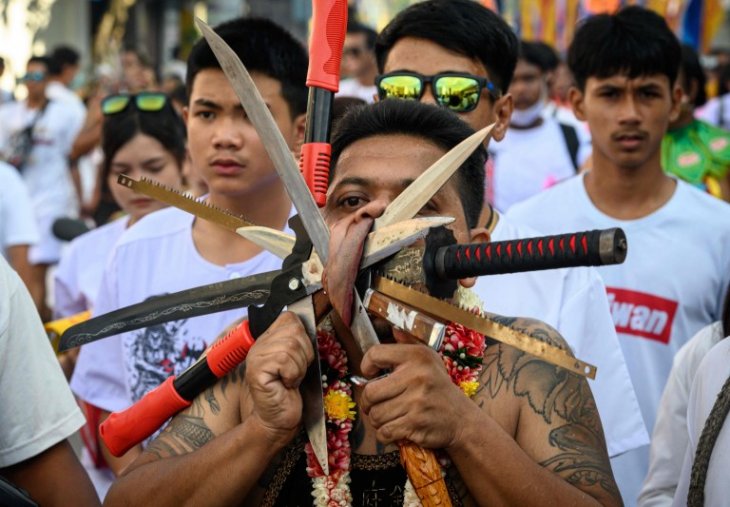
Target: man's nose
pixel 629 111
pixel 428 96
pixel 228 133
pixel 373 210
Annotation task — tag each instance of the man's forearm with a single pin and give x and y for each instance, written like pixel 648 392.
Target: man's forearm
pixel 497 471
pixel 223 472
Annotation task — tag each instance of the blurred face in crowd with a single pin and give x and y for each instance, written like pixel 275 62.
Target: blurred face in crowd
pixel 527 85
pixel 224 146
pixel 357 58
pixel 428 58
pixel 628 117
pixel 142 157
pixel 35 80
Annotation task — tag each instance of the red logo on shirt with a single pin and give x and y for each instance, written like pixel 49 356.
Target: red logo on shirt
pixel 642 314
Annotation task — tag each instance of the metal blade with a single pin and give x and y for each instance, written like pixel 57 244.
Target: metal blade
pixel 311 388
pixel 185 304
pixel 184 202
pixel 485 325
pixel 272 140
pixel 418 193
pixel 378 246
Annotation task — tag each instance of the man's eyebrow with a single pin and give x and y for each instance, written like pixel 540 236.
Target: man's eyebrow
pixel 354 180
pixel 207 103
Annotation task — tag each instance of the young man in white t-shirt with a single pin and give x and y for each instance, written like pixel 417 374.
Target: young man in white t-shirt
pixel 463 37
pixel 46 169
pixel 678 265
pixel 170 250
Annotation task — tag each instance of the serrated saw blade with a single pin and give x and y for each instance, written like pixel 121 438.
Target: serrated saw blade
pixel 485 325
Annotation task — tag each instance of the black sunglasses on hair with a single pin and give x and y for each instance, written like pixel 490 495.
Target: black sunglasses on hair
pixel 457 91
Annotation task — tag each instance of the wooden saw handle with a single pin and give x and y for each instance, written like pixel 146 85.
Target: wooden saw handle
pixel 424 472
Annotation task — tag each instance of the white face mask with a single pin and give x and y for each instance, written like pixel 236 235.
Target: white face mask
pixel 522 118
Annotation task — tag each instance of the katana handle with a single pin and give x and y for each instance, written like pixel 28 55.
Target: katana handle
pixel 123 430
pixel 590 248
pixel 329 26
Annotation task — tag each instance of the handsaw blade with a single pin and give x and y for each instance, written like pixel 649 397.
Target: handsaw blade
pixel 311 388
pixel 185 304
pixel 484 325
pixel 418 193
pixel 271 138
pixel 226 219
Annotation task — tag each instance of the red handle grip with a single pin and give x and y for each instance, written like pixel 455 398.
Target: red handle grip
pixel 123 430
pixel 329 26
pixel 229 352
pixel 314 164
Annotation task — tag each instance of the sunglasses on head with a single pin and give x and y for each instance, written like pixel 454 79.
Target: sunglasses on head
pixel 34 76
pixel 455 91
pixel 143 101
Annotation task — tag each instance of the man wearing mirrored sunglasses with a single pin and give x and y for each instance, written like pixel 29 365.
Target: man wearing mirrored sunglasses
pixel 464 39
pixel 170 250
pixel 49 131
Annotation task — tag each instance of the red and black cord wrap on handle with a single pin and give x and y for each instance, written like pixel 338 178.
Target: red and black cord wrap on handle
pixel 590 248
pixel 329 26
pixel 123 430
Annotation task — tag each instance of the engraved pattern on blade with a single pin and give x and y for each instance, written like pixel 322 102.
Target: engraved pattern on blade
pixel 175 312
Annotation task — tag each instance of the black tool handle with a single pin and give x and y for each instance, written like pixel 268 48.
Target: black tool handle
pixel 590 248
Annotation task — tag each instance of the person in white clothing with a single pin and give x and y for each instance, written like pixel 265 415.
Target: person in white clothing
pixel 170 250
pixel 44 166
pixel 18 229
pixel 358 63
pixel 669 440
pixel 143 137
pixel 708 486
pixel 39 413
pixel 474 49
pixel 678 265
pixel 538 150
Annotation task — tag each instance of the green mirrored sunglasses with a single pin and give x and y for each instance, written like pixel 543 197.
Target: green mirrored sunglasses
pixel 143 101
pixel 456 91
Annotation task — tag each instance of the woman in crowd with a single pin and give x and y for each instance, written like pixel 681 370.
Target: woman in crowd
pixel 143 137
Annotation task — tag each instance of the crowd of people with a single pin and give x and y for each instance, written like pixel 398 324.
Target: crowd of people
pixel 618 133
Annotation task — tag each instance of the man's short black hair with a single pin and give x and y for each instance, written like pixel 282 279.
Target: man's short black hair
pixel 692 71
pixel 537 55
pixel 370 34
pixel 634 42
pixel 263 46
pixel 433 124
pixel 64 56
pixel 462 26
pixel 44 60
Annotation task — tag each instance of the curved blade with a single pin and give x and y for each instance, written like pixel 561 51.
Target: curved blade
pixel 217 297
pixel 275 241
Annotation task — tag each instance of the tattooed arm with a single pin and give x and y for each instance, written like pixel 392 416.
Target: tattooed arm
pixel 214 452
pixel 542 443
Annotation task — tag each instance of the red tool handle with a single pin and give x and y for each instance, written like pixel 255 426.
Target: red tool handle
pixel 123 430
pixel 329 26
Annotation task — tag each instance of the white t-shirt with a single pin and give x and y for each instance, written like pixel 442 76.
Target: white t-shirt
pixel 527 161
pixel 17 222
pixel 155 257
pixel 46 173
pixel 671 284
pixel 711 376
pixel 716 111
pixel 58 92
pixel 669 440
pixel 39 410
pixel 573 301
pixel 351 87
pixel 78 274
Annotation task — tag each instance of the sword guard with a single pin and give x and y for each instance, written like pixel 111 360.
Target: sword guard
pixel 438 287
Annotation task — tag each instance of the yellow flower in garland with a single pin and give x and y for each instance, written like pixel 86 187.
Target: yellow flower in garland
pixel 469 387
pixel 339 405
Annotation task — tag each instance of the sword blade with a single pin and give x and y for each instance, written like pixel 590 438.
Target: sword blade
pixel 272 140
pixel 238 293
pixel 418 193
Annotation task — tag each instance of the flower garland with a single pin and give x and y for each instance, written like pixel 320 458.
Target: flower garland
pixel 462 351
